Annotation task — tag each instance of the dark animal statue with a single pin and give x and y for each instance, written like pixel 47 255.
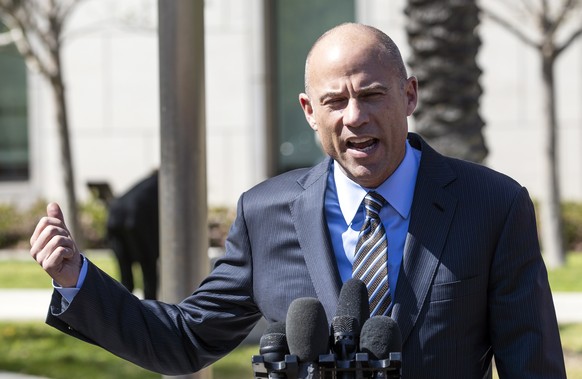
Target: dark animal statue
pixel 133 233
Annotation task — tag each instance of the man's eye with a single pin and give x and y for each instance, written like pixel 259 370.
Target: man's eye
pixel 335 102
pixel 372 95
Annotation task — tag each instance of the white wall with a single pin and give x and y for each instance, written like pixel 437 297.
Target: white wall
pixel 512 106
pixel 112 88
pixel 234 85
pixel 111 83
pixel 111 74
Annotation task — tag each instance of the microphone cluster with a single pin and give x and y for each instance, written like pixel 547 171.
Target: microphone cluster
pixel 356 346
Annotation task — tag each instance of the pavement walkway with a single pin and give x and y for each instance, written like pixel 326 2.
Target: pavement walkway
pixel 12 375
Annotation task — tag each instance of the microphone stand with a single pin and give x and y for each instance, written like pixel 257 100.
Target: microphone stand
pixel 361 367
pixel 290 368
pixel 328 367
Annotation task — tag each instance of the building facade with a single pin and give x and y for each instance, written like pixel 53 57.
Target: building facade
pixel 254 57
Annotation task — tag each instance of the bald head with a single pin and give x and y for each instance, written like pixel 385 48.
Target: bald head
pixel 358 100
pixel 370 40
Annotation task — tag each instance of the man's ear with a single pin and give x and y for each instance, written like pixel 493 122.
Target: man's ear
pixel 307 110
pixel 411 88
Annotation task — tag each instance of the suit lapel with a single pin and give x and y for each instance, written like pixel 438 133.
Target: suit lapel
pixel 432 212
pixel 307 211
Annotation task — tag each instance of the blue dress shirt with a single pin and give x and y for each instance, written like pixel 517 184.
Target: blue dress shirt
pixel 345 213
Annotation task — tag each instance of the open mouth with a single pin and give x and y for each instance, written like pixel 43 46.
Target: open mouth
pixel 364 144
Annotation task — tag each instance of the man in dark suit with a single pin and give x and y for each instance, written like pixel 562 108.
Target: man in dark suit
pixel 464 275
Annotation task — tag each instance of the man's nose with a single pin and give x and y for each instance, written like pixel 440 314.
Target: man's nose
pixel 354 114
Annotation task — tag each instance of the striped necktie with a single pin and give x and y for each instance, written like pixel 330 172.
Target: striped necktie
pixel 370 264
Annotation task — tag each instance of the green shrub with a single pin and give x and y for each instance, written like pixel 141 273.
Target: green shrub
pixel 219 221
pixel 93 222
pixel 17 225
pixel 572 216
pixel 10 220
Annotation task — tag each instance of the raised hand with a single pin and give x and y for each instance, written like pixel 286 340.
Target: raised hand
pixel 54 249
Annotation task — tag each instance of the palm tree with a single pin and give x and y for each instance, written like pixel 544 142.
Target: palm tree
pixel 444 45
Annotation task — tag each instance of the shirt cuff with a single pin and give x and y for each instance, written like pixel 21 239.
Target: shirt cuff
pixel 69 294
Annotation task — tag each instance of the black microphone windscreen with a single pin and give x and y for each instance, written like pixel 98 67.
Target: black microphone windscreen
pixel 353 301
pixel 345 332
pixel 275 327
pixel 380 336
pixel 307 329
pixel 273 342
pixel 344 324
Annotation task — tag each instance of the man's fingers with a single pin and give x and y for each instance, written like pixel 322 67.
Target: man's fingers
pixel 54 217
pixel 53 210
pixel 63 265
pixel 47 238
pixel 56 258
pixel 46 229
pixel 53 248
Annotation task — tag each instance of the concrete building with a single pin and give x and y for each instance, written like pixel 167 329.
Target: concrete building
pixel 255 51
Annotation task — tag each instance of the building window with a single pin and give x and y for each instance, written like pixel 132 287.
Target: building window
pixel 14 153
pixel 295 25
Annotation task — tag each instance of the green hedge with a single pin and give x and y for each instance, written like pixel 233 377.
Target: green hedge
pixel 16 225
pixel 572 216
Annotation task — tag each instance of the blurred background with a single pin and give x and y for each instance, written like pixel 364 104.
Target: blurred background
pixel 254 56
pixel 500 84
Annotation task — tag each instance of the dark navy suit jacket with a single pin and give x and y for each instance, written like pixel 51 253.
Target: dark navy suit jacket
pixel 472 284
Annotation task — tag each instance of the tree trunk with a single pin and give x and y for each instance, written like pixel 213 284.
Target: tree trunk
pixel 71 209
pixel 551 215
pixel 444 43
pixel 44 54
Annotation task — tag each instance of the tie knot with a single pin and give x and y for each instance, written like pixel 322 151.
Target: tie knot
pixel 373 202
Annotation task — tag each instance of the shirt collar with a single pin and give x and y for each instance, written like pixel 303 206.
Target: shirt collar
pixel 398 189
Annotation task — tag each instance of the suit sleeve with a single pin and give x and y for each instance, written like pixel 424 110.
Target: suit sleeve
pixel 523 327
pixel 171 339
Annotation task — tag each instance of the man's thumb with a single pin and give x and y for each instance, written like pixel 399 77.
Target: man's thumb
pixel 53 210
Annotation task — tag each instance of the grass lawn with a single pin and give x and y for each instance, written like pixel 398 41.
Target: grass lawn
pixel 36 349
pixel 26 273
pixel 567 278
pixel 572 338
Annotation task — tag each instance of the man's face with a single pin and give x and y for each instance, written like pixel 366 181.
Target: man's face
pixel 359 108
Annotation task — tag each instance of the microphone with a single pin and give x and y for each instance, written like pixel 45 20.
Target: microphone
pixel 380 336
pixel 273 348
pixel 353 301
pixel 307 329
pixel 352 311
pixel 381 339
pixel 307 335
pixel 345 337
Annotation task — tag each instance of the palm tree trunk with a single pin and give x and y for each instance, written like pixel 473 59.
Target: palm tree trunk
pixel 444 44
